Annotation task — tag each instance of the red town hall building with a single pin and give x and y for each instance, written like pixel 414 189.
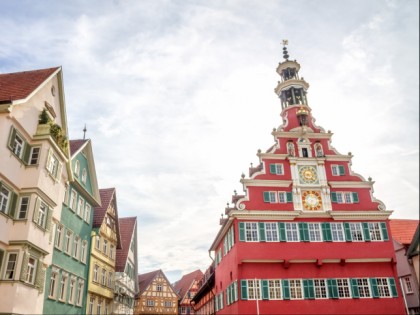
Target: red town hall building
pixel 307 236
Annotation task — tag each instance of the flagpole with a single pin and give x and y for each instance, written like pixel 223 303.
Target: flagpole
pixel 256 295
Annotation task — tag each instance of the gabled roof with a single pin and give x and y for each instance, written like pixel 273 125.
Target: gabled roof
pixel 403 230
pixel 107 196
pixel 127 229
pixel 184 284
pixel 19 85
pixel 146 279
pixel 75 145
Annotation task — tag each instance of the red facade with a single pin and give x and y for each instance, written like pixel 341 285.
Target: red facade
pixel 307 236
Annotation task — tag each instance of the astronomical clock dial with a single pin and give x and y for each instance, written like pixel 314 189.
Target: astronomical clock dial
pixel 308 174
pixel 311 200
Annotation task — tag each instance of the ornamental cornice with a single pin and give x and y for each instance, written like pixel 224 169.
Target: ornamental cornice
pixel 298 134
pixel 339 157
pixel 264 214
pixel 5 108
pixel 347 184
pixel 361 215
pixel 222 232
pixel 288 64
pixel 264 183
pixel 298 83
pixel 273 156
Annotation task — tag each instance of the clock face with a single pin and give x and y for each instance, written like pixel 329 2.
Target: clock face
pixel 311 200
pixel 308 175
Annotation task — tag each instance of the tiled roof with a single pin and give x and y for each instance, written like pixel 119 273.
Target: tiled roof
pixel 403 230
pixel 182 286
pixel 145 279
pixel 127 226
pixel 107 196
pixel 75 145
pixel 19 85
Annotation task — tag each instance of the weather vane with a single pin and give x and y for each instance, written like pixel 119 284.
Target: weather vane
pixel 285 42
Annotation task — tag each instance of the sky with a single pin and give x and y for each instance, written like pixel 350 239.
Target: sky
pixel 178 96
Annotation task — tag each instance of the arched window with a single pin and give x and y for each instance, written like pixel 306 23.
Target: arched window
pixel 84 175
pixel 318 150
pixel 76 168
pixel 304 147
pixel 290 149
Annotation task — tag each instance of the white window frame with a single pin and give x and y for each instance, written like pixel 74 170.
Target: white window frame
pixel 273 196
pixel 80 288
pixel 315 232
pixel 63 287
pixel 59 236
pixel 271 232
pixel 383 287
pixel 375 231
pixel 80 206
pixel 97 242
pixel 83 251
pixel 4 199
pixel 23 208
pixel 343 288
pixel 34 156
pixel 282 197
pixel 364 288
pixel 274 289
pixel 53 284
pixel 87 212
pixel 292 232
pixel 68 241
pixel 103 276
pixel 72 289
pixel 42 214
pixel 53 165
pixel 334 170
pixel 10 273
pixel 95 273
pixel 279 168
pixel 111 251
pixel 296 289
pixel 337 232
pixel 254 289
pixel 408 285
pixel 356 231
pixel 251 232
pixel 76 247
pixel 150 303
pixel 18 145
pixel 73 198
pixel 105 247
pixel 320 288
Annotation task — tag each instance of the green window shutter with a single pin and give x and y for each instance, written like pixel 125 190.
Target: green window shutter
pixel 366 231
pixel 12 207
pixel 244 290
pixel 332 288
pixel 241 231
pixel 26 153
pixel 36 210
pixel 232 293
pixel 289 197
pixel 341 170
pixel 374 286
pixel 262 231
pixel 282 232
pixel 286 289
pixel 40 277
pixel 12 137
pixel 326 231
pixel 272 168
pixel 1 258
pixel 24 269
pixel 308 289
pixel 266 196
pixel 265 289
pixel 49 219
pixel 333 196
pixel 393 287
pixel 354 289
pixel 303 231
pixel 355 197
pixel 384 231
pixel 347 231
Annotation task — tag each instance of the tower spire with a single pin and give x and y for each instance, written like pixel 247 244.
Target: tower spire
pixel 84 132
pixel 285 53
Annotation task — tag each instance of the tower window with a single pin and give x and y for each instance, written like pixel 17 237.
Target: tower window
pixel 304 152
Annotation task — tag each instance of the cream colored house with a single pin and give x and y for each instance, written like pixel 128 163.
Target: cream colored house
pixel 33 175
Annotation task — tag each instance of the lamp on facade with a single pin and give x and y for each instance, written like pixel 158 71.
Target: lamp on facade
pixel 302 115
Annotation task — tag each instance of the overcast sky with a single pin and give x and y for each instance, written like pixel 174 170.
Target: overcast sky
pixel 178 96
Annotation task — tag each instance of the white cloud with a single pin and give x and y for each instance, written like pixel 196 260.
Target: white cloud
pixel 178 97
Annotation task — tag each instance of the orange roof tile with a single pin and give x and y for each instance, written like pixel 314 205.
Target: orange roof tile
pixel 403 230
pixel 19 85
